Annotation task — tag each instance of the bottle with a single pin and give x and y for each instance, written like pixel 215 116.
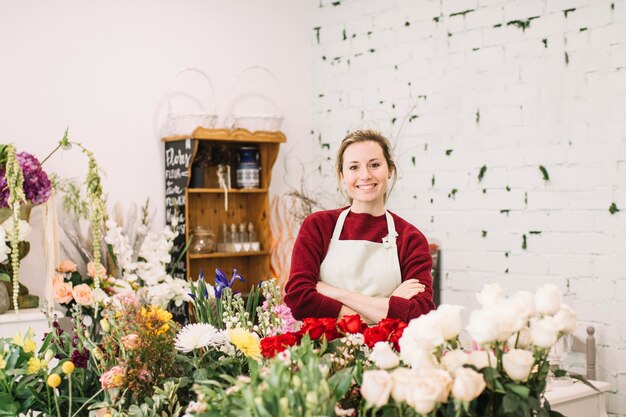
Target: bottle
pixel 254 241
pixel 203 240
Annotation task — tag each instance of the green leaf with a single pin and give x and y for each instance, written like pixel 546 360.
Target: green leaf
pixel 5 277
pixel 613 208
pixel 510 403
pixel 481 174
pixel 520 390
pixel 340 382
pixel 544 172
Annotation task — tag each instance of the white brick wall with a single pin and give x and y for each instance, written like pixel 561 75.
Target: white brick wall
pixel 551 94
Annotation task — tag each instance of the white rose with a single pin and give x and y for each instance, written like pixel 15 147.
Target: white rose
pixel 508 320
pixel 441 380
pixel 423 332
pixel 383 356
pixel 454 359
pixel 423 396
pixel 490 295
pixel 524 304
pixel 517 364
pixel 544 332
pixel 521 339
pixel 419 359
pixel 482 359
pixel 467 385
pixel 23 225
pixel 566 319
pixel 483 326
pixel 449 318
pixel 376 387
pixel 548 299
pixel 403 379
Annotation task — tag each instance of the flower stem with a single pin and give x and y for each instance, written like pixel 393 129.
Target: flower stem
pixel 56 402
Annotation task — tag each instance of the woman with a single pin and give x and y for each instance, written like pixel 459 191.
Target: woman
pixel 361 259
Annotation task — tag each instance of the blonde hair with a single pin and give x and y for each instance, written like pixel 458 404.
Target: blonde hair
pixel 367 136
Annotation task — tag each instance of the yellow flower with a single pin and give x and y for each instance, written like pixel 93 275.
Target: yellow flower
pixel 3 363
pixel 34 365
pixel 104 324
pixel 54 380
pixel 67 367
pixel 157 319
pixel 18 340
pixel 245 342
pixel 29 346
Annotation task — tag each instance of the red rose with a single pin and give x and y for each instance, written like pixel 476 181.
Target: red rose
pixel 313 327
pixel 351 324
pixel 375 334
pixel 330 328
pixel 271 345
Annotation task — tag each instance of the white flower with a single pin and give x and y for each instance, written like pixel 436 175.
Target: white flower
pixel 423 395
pixel 482 359
pixel 522 339
pixel 199 335
pixel 467 385
pixel 376 387
pixel 449 318
pixel 544 332
pixel 441 380
pixel 548 299
pixel 490 295
pixel 566 319
pixel 524 304
pixel 24 227
pixel 508 319
pixel 383 356
pixel 418 359
pixel 483 326
pixel 403 379
pixel 454 359
pixel 517 364
pixel 424 332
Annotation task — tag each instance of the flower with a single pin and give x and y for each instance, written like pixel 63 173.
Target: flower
pixel 545 332
pixel 383 356
pixel 34 365
pixel 482 359
pixel 131 341
pixel 83 295
pixel 490 295
pixel 454 359
pixel 351 324
pixel 62 292
pixel 68 367
pixel 24 229
pixel 403 379
pixel 37 187
pixel 518 363
pixel 113 378
pixel 316 328
pixel 91 270
pixel 423 396
pixel 483 326
pixel 81 359
pixel 566 319
pixel 548 299
pixel 272 345
pixel 467 385
pixel 246 342
pixel 376 387
pixel 197 336
pixel 424 332
pixel 449 318
pixel 66 266
pixel 54 380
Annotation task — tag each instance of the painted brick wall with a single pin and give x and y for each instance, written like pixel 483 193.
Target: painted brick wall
pixel 534 91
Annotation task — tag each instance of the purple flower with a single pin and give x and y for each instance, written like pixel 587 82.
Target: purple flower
pixel 37 186
pixel 80 359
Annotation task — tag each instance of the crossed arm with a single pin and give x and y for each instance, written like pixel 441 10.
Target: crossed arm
pixel 372 309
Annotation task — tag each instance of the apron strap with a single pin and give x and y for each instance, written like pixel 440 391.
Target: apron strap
pixel 339 224
pixel 389 241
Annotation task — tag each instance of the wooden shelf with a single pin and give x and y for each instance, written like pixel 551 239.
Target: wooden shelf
pixel 230 190
pixel 227 254
pixel 234 135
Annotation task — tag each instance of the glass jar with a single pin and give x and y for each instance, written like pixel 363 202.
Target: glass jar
pixel 203 240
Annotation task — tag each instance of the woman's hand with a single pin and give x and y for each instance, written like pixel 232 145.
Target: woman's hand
pixel 408 289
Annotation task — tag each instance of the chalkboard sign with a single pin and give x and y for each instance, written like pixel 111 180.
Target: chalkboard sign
pixel 178 157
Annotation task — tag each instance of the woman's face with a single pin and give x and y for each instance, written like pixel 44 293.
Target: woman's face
pixel 365 173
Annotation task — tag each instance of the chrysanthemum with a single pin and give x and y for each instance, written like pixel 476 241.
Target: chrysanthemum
pixel 199 335
pixel 246 342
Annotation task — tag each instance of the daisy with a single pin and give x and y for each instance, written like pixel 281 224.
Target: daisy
pixel 199 335
pixel 246 342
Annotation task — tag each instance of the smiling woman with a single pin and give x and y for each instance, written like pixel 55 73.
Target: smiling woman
pixel 361 258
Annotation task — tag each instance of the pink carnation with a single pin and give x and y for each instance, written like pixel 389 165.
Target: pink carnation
pixel 286 318
pixel 113 378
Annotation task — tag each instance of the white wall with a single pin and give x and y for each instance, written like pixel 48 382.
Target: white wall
pixel 103 69
pixel 376 61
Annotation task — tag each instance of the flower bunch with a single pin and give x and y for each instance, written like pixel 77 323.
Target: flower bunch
pixel 137 348
pixel 36 185
pixel 506 368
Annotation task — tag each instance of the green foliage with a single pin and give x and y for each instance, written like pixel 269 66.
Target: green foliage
pixel 613 208
pixel 482 172
pixel 544 173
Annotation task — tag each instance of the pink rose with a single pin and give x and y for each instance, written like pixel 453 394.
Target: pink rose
pixel 57 279
pixel 83 294
pixel 62 292
pixel 113 378
pixel 131 341
pixel 66 266
pixel 91 270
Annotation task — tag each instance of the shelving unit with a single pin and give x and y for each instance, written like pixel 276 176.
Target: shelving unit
pixel 205 207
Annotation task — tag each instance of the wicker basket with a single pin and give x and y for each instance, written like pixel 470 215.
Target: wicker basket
pixel 269 122
pixel 186 123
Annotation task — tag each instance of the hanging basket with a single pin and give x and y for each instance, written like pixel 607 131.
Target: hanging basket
pixel 269 122
pixel 185 123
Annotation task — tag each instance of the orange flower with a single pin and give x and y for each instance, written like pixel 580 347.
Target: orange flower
pixel 83 294
pixel 66 266
pixel 62 292
pixel 91 270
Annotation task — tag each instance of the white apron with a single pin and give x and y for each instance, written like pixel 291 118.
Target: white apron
pixel 361 266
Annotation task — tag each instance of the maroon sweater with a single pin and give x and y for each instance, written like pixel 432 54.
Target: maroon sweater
pixel 310 250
